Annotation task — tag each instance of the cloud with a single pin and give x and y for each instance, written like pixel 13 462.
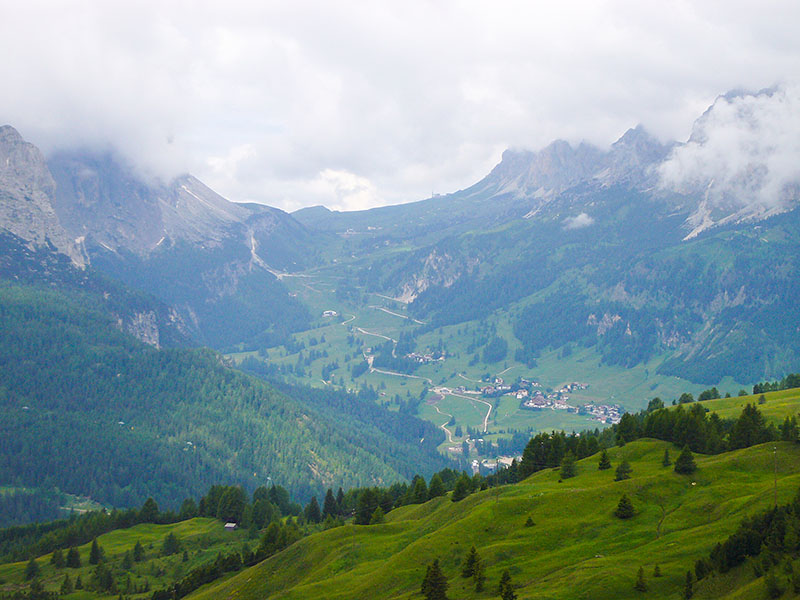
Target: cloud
pixel 578 222
pixel 346 191
pixel 414 97
pixel 745 151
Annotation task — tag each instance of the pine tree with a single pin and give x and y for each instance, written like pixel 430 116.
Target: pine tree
pixel 791 539
pixel 685 464
pixel 329 505
pixel 666 461
pixel 426 582
pixel 95 555
pixel 773 585
pixel 688 587
pixel 789 430
pixel 66 586
pixel 365 506
pixel 700 569
pixel 31 570
pixel 506 588
pixel 529 522
pixel 102 578
pixel 479 575
pixel 57 560
pixel 624 509
pixel 78 583
pixel 657 571
pixel 419 491
pixel 468 566
pixel 148 513
pixel 127 561
pixel 605 462
pixel 188 509
pixel 340 502
pixel 462 489
pixel 231 504
pixel 436 488
pixel 138 552
pixel 434 586
pixel 641 584
pixel 170 545
pixel 377 517
pixel 624 470
pixel 73 558
pixel 568 468
pixel 312 512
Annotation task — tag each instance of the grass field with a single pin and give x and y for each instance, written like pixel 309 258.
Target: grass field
pixel 777 405
pixel 202 538
pixel 576 549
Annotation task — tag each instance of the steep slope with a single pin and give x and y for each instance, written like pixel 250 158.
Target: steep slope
pixel 576 548
pixel 100 199
pixel 212 259
pixel 27 195
pixel 135 312
pixel 89 409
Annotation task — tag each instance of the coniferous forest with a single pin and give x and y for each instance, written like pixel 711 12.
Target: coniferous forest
pixel 90 410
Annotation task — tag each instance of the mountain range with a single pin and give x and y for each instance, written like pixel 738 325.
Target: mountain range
pixel 621 255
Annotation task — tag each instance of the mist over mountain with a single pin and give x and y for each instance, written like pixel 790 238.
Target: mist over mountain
pixel 564 209
pixel 741 161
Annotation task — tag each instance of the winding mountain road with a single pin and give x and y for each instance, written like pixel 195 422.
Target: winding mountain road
pixel 442 426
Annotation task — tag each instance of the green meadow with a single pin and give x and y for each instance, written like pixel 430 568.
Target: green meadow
pixel 576 547
pixel 776 407
pixel 201 538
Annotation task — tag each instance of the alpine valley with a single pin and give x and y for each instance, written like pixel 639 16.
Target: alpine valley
pixel 172 361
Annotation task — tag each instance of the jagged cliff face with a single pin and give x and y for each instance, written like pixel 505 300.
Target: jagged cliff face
pixel 560 166
pixel 438 268
pixel 27 191
pixel 212 261
pixel 106 204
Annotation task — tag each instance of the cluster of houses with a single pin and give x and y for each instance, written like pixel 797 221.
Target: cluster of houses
pixel 557 400
pixel 604 413
pixel 487 466
pixel 553 401
pixel 426 358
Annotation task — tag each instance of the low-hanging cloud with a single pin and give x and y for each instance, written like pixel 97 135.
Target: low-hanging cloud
pixel 744 152
pixel 578 221
pixel 258 99
pixel 346 191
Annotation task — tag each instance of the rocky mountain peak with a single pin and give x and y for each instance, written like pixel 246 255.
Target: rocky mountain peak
pixel 23 162
pixel 549 171
pixel 633 157
pixel 741 161
pixel 27 190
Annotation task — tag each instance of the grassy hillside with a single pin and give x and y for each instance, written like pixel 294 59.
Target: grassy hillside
pixel 201 538
pixel 575 549
pixel 777 405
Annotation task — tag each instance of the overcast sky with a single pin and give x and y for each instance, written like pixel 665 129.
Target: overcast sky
pixel 359 104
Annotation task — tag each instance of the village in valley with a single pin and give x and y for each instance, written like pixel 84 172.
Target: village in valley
pixel 485 417
pixel 532 397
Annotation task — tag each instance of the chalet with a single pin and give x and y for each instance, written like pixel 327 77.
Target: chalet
pixel 231 527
